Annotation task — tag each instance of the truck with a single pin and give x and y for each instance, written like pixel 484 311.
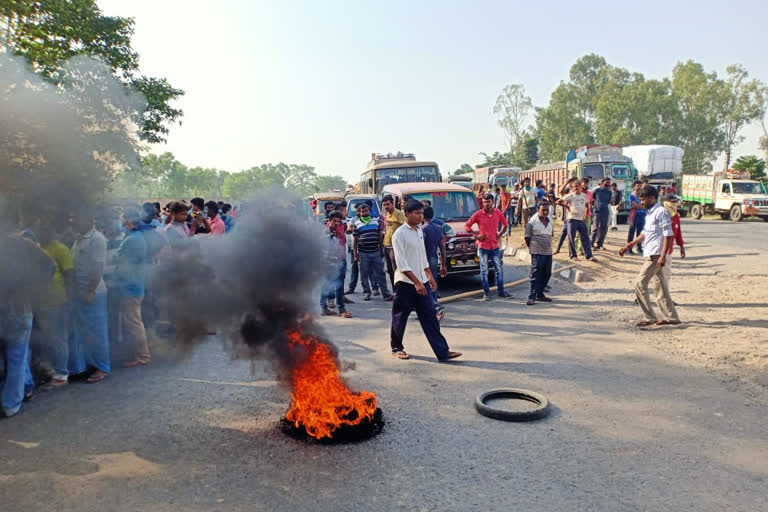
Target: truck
pixel 593 162
pixel 730 194
pixel 660 164
pixel 393 168
pixel 465 180
pixel 495 176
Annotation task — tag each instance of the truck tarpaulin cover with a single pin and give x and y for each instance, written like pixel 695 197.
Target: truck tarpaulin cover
pixel 659 161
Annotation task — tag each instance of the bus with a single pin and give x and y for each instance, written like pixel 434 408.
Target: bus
pixel 392 169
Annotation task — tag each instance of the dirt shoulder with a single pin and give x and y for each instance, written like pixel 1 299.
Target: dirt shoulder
pixel 720 288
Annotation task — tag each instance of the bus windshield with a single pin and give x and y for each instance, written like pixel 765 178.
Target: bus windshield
pixel 450 206
pixel 406 175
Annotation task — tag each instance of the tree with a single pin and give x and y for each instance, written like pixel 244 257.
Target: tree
pixel 47 33
pixel 497 159
pixel 742 105
pixel 300 178
pixel 512 109
pixel 464 169
pixel 752 164
pixel 762 100
pixel 529 156
pixel 561 125
pixel 325 183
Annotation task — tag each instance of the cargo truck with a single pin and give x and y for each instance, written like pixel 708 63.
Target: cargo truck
pixel 593 162
pixel 495 176
pixel 732 195
pixel 661 165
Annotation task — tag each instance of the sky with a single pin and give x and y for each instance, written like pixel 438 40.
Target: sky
pixel 328 83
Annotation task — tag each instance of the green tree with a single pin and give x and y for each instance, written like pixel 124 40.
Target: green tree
pixel 742 106
pixel 752 164
pixel 562 125
pixel 324 183
pixel 300 178
pixel 512 109
pixel 497 159
pixel 464 169
pixel 47 33
pixel 700 98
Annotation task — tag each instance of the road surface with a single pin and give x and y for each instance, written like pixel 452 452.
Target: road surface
pixel 632 428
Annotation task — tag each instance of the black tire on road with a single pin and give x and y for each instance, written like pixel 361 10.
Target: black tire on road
pixel 539 412
pixel 765 219
pixel 697 211
pixel 736 214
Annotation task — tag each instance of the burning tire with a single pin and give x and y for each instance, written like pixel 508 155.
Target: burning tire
pixel 541 411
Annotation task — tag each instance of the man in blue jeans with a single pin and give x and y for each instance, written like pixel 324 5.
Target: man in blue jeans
pixel 491 224
pixel 538 238
pixel 26 271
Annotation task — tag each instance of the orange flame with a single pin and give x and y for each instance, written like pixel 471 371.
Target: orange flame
pixel 320 401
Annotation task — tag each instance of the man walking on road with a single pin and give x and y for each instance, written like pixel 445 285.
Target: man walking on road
pixel 636 215
pixel 488 221
pixel 615 205
pixel 394 219
pixel 657 240
pixel 602 212
pixel 413 282
pixel 538 238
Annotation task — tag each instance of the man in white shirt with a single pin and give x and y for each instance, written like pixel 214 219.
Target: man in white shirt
pixel 576 204
pixel 656 239
pixel 413 282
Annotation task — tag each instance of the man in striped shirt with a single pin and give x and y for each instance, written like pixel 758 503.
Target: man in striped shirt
pixel 369 251
pixel 538 238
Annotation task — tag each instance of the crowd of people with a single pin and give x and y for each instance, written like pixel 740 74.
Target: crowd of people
pixel 77 291
pixel 93 269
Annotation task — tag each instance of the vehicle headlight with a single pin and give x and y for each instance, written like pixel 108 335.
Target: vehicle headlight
pixel 450 245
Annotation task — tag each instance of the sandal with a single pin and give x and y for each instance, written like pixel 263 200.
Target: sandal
pixel 667 322
pixel 345 314
pixel 400 354
pixel 328 312
pixel 451 355
pixel 135 363
pixel 645 323
pixel 57 383
pixel 97 376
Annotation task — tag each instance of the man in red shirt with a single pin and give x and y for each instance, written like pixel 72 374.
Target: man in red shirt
pixel 491 224
pixel 480 195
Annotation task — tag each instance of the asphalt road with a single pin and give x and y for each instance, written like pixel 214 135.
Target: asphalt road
pixel 630 430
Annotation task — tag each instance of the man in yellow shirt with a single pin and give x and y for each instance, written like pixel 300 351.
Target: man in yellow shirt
pixel 52 314
pixel 394 219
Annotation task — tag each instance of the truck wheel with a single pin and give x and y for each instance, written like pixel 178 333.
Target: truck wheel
pixel 683 213
pixel 736 215
pixel 765 219
pixel 725 215
pixel 697 211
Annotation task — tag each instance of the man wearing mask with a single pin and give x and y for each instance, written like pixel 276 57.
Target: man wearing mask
pixel 131 263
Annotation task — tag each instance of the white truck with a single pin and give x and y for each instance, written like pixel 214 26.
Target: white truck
pixel 660 164
pixel 732 195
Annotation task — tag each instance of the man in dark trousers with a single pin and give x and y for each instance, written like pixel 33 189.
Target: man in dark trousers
pixel 413 282
pixel 538 238
pixel 601 213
